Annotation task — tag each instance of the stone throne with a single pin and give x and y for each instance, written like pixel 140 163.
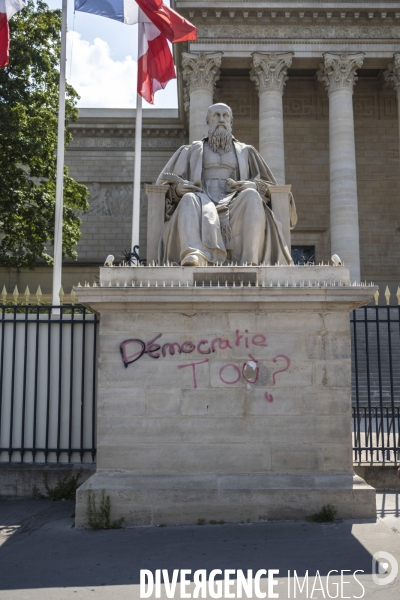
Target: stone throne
pixel 280 204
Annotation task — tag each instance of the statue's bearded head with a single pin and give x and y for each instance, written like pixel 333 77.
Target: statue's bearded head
pixel 219 121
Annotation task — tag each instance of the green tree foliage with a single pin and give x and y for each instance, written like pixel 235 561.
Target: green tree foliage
pixel 28 141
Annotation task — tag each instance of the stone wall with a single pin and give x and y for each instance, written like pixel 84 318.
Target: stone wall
pixel 377 146
pixel 102 156
pixel 305 106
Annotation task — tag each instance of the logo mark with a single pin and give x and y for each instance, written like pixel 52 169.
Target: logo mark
pixel 380 567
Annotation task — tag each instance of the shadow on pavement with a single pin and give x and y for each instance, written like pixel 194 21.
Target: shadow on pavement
pixel 40 548
pixel 388 504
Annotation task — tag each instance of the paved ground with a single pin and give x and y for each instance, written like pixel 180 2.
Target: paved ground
pixel 43 557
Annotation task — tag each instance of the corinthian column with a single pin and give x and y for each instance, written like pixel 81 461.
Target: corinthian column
pixel 201 72
pixel 392 76
pixel 269 74
pixel 338 72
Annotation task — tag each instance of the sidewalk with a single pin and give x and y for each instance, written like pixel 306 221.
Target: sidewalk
pixel 43 557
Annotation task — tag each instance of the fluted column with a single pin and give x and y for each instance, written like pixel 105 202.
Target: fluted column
pixel 338 72
pixel 201 72
pixel 392 76
pixel 269 73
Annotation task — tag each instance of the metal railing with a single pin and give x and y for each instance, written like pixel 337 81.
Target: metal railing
pixel 48 372
pixel 376 384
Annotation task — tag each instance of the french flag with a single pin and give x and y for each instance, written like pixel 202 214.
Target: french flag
pixel 8 8
pixel 159 24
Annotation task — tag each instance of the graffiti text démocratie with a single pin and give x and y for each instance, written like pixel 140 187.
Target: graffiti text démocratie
pixel 132 350
pixel 230 374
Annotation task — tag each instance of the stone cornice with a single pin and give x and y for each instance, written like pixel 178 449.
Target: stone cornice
pixel 281 4
pixel 167 129
pixel 104 139
pixel 269 71
pixel 392 74
pixel 346 15
pixel 338 71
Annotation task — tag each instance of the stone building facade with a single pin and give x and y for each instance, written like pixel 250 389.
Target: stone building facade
pixel 315 87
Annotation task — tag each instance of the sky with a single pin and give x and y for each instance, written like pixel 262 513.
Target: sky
pixel 101 62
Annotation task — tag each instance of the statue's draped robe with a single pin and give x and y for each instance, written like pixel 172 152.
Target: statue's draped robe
pixel 187 162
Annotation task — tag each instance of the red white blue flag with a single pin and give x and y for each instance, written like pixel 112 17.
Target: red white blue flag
pixel 160 25
pixel 8 8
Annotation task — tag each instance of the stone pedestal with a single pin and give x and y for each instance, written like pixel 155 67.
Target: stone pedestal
pixel 225 401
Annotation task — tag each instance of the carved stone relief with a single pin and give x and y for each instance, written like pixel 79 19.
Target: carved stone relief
pixel 201 71
pixel 300 106
pixel 269 71
pixel 388 106
pixel 241 97
pixel 304 105
pixel 365 106
pixel 125 144
pixel 338 71
pixel 392 74
pixel 113 200
pixel 216 30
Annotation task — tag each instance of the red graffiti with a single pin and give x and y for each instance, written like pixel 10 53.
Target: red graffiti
pixel 132 350
pixel 222 344
pixel 236 368
pixel 152 348
pixel 201 343
pixel 268 397
pixel 171 347
pixel 235 377
pixel 280 370
pixel 259 340
pixel 194 365
pixel 257 370
pixel 141 348
pixel 240 337
pixel 130 346
pixel 188 347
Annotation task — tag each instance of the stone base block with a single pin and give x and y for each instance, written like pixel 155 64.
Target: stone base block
pixel 183 499
pixel 17 480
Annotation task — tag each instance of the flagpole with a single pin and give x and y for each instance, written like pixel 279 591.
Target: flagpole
pixel 58 221
pixel 138 153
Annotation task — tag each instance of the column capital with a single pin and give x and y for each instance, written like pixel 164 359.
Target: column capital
pixel 201 71
pixel 338 71
pixel 392 73
pixel 269 71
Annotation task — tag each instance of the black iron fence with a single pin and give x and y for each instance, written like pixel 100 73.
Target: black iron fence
pixel 376 384
pixel 48 370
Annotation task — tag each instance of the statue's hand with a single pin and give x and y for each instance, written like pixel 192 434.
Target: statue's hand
pixel 184 188
pixel 239 186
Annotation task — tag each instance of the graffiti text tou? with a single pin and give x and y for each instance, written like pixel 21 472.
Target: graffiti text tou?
pixel 285 368
pixel 230 374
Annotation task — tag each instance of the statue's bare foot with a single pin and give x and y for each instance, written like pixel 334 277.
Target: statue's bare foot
pixel 194 260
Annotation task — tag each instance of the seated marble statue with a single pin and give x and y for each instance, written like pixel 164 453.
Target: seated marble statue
pixel 217 205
